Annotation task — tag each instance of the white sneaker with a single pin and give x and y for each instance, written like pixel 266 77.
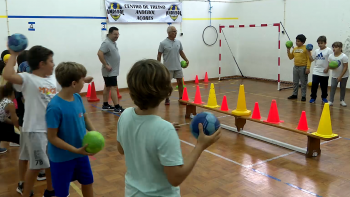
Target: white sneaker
pixel 330 103
pixel 342 103
pixel 14 144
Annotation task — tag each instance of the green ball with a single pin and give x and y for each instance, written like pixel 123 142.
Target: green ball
pixel 95 141
pixel 333 64
pixel 289 44
pixel 183 64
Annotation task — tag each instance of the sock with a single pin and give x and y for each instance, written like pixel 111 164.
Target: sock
pixel 21 182
pixel 105 103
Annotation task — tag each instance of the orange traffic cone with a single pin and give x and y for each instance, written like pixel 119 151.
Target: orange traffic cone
pixel 256 112
pixel 303 122
pixel 119 96
pixel 196 80
pixel 93 96
pixel 224 106
pixel 198 98
pixel 273 114
pixel 88 92
pixel 206 80
pixel 185 95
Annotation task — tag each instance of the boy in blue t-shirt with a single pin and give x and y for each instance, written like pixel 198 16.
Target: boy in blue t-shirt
pixel 67 124
pixel 151 146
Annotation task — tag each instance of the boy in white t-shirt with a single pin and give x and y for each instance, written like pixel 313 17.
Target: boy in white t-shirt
pixel 320 74
pixel 38 88
pixel 340 74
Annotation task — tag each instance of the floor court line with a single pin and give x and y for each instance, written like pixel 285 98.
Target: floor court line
pixel 254 170
pixel 76 188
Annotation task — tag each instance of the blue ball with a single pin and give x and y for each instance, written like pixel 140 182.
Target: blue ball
pixel 17 42
pixel 210 124
pixel 309 47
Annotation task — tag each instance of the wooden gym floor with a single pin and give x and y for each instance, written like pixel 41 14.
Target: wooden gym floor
pixel 236 165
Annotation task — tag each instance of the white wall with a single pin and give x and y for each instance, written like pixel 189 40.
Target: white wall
pixel 3 25
pixel 254 48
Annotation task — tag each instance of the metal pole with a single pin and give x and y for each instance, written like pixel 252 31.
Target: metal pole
pixel 265 139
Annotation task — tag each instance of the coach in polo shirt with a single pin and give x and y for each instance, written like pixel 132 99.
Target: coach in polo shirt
pixel 110 59
pixel 171 49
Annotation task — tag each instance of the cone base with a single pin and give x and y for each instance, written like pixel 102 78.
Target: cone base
pixel 241 113
pixel 302 129
pixel 281 121
pixel 256 118
pixel 325 136
pixel 224 110
pixel 210 106
pixel 94 100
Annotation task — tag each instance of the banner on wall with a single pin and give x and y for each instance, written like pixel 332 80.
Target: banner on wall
pixel 143 12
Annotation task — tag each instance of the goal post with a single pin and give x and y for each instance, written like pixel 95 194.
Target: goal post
pixel 280 84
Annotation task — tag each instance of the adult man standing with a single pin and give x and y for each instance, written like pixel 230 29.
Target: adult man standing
pixel 171 49
pixel 110 59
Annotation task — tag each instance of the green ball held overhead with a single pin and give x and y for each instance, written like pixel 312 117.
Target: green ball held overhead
pixel 95 141
pixel 289 44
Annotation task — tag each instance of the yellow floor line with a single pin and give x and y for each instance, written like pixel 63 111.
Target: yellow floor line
pixel 76 188
pixel 3 16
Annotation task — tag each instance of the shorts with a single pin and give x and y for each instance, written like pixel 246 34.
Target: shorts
pixel 63 173
pixel 33 148
pixel 111 81
pixel 176 74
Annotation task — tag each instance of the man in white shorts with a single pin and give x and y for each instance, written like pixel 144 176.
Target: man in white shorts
pixel 171 49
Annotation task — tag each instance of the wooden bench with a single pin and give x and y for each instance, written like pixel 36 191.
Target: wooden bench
pixel 313 142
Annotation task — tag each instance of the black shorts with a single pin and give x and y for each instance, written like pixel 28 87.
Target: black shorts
pixel 111 81
pixel 8 133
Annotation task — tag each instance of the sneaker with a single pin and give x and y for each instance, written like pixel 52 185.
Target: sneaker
pixel 41 177
pixel 342 103
pixel 167 101
pixel 118 110
pixel 107 108
pixel 20 189
pixel 303 98
pixel 330 103
pixel 324 100
pixel 293 97
pixel 48 193
pixel 312 100
pixel 14 144
pixel 3 150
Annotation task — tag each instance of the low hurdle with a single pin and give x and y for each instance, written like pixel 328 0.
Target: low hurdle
pixel 241 115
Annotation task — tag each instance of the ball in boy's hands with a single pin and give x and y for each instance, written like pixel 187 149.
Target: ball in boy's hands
pixel 17 42
pixel 210 124
pixel 183 64
pixel 334 64
pixel 289 44
pixel 309 47
pixel 95 141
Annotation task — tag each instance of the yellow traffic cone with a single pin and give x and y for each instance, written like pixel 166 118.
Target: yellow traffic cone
pixel 241 109
pixel 212 103
pixel 325 126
